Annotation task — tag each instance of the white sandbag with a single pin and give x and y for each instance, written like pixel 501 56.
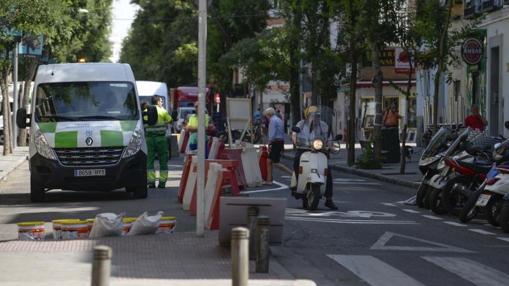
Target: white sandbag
pixel 107 224
pixel 146 224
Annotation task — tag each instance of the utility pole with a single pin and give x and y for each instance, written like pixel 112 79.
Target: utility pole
pixel 202 80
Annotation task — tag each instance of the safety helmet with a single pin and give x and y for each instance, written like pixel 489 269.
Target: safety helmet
pixel 309 110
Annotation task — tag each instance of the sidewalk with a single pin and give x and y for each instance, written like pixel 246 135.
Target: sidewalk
pixel 389 173
pixel 181 258
pixel 10 162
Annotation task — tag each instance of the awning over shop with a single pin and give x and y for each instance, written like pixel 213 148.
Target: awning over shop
pixel 369 84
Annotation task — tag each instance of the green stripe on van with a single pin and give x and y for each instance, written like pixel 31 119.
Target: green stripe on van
pixel 128 125
pixel 111 138
pixel 66 139
pixel 48 127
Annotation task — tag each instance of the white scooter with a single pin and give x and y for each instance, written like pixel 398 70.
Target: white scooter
pixel 312 170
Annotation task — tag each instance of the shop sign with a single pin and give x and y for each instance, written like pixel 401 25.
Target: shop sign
pixel 472 51
pixel 401 61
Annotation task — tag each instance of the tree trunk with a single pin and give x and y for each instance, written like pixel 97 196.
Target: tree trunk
pixel 351 120
pixel 6 116
pixel 407 111
pixel 378 85
pixel 442 58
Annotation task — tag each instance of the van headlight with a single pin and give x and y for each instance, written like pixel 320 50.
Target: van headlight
pixel 134 144
pixel 317 144
pixel 42 146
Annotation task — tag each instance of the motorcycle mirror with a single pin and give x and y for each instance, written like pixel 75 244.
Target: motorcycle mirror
pixel 296 129
pixel 506 124
pixel 335 147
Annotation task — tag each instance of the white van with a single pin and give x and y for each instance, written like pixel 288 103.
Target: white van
pixel 147 89
pixel 87 130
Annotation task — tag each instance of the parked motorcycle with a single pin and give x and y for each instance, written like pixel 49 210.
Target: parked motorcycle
pixel 463 173
pixel 492 196
pixel 429 161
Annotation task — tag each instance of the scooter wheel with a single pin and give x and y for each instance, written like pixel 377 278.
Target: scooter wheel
pixel 493 211
pixel 421 193
pixel 504 217
pixel 470 210
pixel 314 197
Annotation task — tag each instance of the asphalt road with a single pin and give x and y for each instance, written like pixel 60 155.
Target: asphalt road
pixel 373 239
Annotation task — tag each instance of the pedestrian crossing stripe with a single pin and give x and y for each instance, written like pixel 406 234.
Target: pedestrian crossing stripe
pixel 382 244
pixel 376 272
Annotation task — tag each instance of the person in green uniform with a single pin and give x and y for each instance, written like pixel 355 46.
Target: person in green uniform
pixel 157 144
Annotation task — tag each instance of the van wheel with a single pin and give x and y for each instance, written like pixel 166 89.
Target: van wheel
pixel 138 192
pixel 36 192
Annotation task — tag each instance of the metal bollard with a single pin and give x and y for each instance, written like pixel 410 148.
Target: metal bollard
pixel 101 266
pixel 262 244
pixel 240 256
pixel 252 213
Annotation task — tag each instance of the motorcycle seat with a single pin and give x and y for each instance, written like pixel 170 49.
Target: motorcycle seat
pixel 482 167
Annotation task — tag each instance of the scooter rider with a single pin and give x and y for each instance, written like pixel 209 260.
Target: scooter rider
pixel 310 128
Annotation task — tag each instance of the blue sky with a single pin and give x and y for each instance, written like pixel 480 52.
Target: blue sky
pixel 123 15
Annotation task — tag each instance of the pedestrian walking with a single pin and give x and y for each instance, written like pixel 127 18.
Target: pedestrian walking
pixel 158 145
pixel 192 129
pixel 276 141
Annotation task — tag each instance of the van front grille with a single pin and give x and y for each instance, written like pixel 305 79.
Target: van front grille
pixel 89 156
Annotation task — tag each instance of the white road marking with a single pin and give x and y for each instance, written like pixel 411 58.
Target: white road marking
pixel 389 204
pixel 454 223
pixel 506 239
pixel 286 177
pixel 374 271
pixel 410 211
pixel 432 217
pixel 348 214
pixel 481 231
pixel 348 180
pixel 281 187
pixel 350 221
pixel 357 183
pixel 474 272
pixel 381 244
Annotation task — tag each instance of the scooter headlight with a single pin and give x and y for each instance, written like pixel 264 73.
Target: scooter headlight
pixel 317 144
pixel 134 144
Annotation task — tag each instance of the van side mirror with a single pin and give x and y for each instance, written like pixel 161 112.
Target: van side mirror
pixel 338 137
pixel 296 129
pixel 21 118
pixel 150 115
pixel 506 125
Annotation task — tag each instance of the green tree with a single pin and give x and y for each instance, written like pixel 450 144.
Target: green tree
pixel 351 46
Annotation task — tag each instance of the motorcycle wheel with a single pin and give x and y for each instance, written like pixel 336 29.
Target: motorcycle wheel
pixel 314 197
pixel 504 217
pixel 435 198
pixel 470 210
pixel 493 211
pixel 451 198
pixel 421 193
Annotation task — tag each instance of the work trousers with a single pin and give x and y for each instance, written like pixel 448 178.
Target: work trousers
pixel 157 145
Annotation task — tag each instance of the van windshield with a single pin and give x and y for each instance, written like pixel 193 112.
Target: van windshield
pixel 85 101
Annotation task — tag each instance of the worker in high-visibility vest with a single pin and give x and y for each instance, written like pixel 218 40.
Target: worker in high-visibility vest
pixel 192 128
pixel 157 144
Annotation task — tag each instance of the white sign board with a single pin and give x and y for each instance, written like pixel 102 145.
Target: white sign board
pixel 238 112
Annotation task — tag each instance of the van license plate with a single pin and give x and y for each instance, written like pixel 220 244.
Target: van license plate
pixel 483 200
pixel 90 173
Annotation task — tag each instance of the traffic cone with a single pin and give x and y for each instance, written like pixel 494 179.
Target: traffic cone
pixel 264 156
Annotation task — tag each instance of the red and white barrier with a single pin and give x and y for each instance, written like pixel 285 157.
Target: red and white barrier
pixel 190 184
